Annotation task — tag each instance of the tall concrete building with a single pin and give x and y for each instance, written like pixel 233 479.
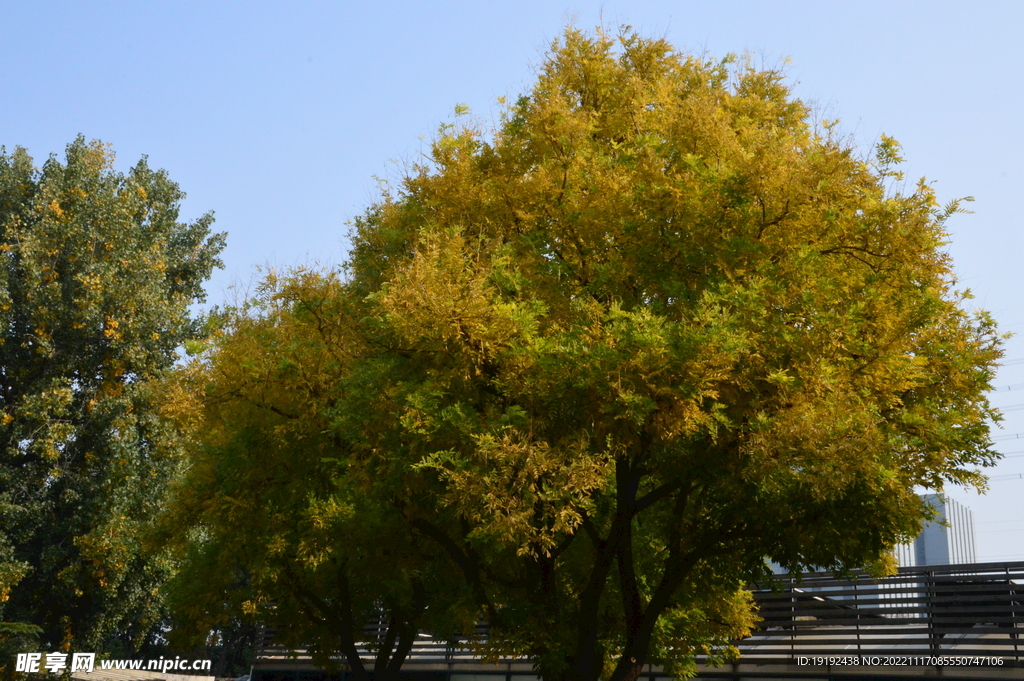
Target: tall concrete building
pixel 949 540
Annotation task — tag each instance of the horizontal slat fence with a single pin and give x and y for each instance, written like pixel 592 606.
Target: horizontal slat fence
pixel 973 610
pixel 426 649
pixel 949 610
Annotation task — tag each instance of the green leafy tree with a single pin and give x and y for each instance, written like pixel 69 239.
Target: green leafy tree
pixel 655 328
pixel 96 278
pixel 273 521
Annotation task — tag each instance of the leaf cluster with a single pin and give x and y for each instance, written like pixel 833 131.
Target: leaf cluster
pixel 610 357
pixel 96 278
pixel 274 518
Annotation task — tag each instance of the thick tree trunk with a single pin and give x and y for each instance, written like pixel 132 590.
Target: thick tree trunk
pixel 402 629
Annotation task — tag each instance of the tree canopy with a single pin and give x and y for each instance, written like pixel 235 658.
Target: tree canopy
pixel 96 278
pixel 657 327
pixel 269 522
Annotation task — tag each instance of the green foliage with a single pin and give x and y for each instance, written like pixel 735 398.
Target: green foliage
pixel 273 519
pixel 96 276
pixel 16 637
pixel 652 331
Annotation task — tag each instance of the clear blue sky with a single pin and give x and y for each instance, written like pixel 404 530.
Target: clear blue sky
pixel 277 115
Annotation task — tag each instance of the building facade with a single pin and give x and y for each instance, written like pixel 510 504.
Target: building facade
pixel 948 540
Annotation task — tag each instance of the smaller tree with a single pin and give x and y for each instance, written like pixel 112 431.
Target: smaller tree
pixel 96 278
pixel 272 518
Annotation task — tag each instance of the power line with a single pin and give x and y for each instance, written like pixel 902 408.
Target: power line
pixel 1004 388
pixel 1004 478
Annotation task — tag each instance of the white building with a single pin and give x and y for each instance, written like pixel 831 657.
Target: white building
pixel 949 540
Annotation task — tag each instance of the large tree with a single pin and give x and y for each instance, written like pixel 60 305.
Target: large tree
pixel 658 327
pixel 96 278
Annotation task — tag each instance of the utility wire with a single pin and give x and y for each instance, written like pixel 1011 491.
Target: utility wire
pixel 1004 388
pixel 1004 478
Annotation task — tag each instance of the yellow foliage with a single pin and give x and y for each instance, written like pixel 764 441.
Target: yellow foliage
pixel 652 330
